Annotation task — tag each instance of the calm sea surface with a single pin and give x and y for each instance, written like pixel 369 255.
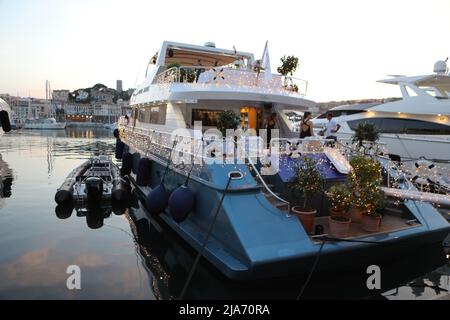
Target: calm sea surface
pixel 121 256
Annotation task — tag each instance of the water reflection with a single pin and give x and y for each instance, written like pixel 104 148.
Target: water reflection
pixel 6 179
pixel 36 247
pixel 124 253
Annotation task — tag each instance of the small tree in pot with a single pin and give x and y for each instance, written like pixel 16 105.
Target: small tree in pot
pixel 306 182
pixel 227 120
pixel 340 198
pixel 368 198
pixel 288 66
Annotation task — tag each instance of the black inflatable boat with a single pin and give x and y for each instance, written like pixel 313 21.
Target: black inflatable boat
pixel 95 180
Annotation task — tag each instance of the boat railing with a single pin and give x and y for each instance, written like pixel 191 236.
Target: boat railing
pixel 228 76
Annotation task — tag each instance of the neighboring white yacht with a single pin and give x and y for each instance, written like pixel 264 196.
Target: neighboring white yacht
pixel 4 107
pixel 45 124
pixel 418 125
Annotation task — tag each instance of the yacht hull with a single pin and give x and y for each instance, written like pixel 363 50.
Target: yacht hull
pixel 252 239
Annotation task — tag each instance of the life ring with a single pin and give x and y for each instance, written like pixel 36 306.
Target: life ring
pixel 425 172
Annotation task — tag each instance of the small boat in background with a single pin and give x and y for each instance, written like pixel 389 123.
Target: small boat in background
pixel 45 123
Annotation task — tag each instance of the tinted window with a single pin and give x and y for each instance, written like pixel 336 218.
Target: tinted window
pixel 397 125
pixel 207 117
pixel 153 114
pixel 393 125
pixel 338 113
pixel 424 127
pixel 374 121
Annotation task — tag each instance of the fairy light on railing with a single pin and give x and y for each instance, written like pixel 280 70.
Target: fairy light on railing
pixel 231 78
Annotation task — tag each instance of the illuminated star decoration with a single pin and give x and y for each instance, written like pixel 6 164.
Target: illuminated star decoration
pixel 219 74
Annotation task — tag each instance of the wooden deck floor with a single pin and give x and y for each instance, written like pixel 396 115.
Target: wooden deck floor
pixel 388 224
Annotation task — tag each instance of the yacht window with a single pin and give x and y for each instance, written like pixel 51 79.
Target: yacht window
pixel 397 125
pixel 207 117
pixel 151 114
pixel 338 113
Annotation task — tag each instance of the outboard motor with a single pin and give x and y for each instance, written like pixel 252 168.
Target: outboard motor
pixel 94 189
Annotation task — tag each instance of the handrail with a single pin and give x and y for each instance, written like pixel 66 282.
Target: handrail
pixel 289 83
pixel 268 189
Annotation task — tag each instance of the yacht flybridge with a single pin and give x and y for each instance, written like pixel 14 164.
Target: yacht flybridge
pixel 238 213
pixel 418 125
pixel 187 83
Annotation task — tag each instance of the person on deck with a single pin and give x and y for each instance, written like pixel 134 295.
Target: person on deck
pixel 306 126
pixel 332 127
pixel 271 125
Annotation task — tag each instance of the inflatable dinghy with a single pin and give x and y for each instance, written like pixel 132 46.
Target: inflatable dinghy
pixel 95 180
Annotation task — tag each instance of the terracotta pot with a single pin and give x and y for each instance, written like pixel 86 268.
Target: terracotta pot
pixel 339 227
pixel 339 213
pixel 355 214
pixel 306 218
pixel 371 223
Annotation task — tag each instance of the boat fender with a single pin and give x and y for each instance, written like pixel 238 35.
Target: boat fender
pixel 94 218
pixel 4 121
pixel 157 200
pixel 120 146
pixel 127 163
pixel 181 203
pixel 64 210
pixel 63 195
pixel 116 133
pixel 136 158
pixel 120 193
pixel 143 172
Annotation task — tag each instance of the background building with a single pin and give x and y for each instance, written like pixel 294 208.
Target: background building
pixel 119 86
pixel 60 95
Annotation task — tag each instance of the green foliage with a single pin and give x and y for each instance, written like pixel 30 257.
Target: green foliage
pixel 365 132
pixel 365 181
pixel 365 172
pixel 307 181
pixel 288 65
pixel 187 75
pixel 340 197
pixel 173 65
pixel 227 120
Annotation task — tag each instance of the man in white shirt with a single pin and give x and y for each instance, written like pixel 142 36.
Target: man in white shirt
pixel 332 127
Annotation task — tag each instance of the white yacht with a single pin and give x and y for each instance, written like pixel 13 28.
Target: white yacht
pixel 6 110
pixel 416 125
pixel 237 215
pixel 44 124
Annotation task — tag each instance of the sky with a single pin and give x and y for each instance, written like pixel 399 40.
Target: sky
pixel 343 46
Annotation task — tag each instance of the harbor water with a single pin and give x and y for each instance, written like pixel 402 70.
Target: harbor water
pixel 120 254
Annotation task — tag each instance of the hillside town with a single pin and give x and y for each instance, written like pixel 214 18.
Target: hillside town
pixel 95 106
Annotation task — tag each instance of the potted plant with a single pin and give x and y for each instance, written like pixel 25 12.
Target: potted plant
pixel 340 197
pixel 288 66
pixel 368 198
pixel 365 132
pixel 374 200
pixel 227 120
pixel 306 182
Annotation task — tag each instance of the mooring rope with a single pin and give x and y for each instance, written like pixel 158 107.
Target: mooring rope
pixel 205 242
